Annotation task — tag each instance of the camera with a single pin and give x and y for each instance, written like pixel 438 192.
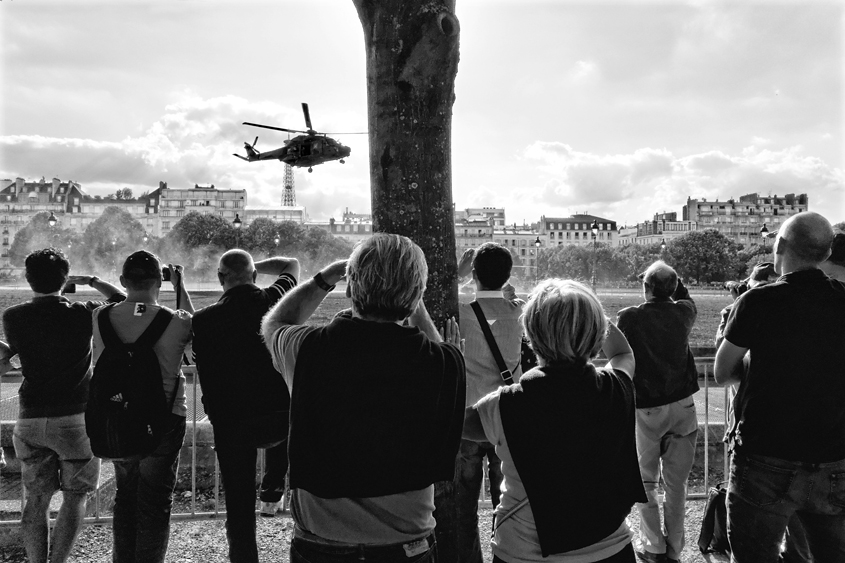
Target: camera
pixel 165 273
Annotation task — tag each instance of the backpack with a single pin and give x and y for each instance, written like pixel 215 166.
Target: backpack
pixel 714 524
pixel 127 411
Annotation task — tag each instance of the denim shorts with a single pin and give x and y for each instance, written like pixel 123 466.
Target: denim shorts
pixel 55 453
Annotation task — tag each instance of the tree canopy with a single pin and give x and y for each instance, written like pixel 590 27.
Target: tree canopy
pixel 704 256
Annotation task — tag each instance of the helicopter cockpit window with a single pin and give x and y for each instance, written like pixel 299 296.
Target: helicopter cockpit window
pixel 306 149
pixel 316 147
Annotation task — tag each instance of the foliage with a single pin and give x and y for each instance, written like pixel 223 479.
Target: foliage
pixel 196 229
pixel 107 241
pixel 840 226
pixel 124 193
pixel 577 262
pixel 704 256
pixel 38 234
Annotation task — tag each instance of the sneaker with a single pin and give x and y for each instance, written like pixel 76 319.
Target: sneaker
pixel 269 509
pixel 650 557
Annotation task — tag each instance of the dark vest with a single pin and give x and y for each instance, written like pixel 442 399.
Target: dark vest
pixel 570 430
pixel 376 409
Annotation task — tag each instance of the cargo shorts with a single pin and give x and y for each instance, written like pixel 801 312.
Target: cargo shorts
pixel 55 453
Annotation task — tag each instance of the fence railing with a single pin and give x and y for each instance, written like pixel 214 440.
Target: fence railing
pixel 198 424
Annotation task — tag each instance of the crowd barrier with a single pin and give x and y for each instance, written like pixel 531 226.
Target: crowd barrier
pixel 198 426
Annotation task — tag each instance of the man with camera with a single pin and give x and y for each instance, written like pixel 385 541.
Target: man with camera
pixel 667 426
pixel 145 486
pixel 377 407
pixel 789 446
pixel 246 400
pixel 52 338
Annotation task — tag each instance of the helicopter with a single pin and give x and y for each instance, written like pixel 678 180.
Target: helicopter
pixel 309 149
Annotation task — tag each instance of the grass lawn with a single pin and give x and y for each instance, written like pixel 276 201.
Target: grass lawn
pixel 709 306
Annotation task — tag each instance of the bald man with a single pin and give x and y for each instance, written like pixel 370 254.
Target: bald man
pixel 667 427
pixel 245 398
pixel 789 448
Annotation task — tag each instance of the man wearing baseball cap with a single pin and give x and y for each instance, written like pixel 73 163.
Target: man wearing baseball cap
pixel 144 493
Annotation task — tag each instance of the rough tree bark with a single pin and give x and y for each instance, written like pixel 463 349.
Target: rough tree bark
pixel 412 61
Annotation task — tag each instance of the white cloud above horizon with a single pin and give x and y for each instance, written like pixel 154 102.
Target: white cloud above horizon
pixel 623 109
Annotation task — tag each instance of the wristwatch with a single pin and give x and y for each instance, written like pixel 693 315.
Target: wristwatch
pixel 92 280
pixel 321 283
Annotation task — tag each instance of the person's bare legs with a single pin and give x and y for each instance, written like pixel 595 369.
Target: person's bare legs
pixel 34 526
pixel 68 523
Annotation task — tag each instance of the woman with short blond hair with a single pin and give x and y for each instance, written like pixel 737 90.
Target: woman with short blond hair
pixel 565 434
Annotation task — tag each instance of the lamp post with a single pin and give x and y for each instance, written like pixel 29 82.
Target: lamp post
pixel 537 244
pixel 662 247
pixel 764 234
pixel 237 224
pixel 51 220
pixel 113 258
pixel 595 229
pixel 146 237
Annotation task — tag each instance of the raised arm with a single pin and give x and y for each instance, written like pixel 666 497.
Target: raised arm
pixel 618 351
pixel 300 303
pixel 177 278
pixel 422 320
pixel 277 266
pixel 108 290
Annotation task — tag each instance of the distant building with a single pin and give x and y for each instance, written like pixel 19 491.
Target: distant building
pixel 662 228
pixel 742 220
pixel 497 214
pixel 576 229
pixel 626 235
pixel 353 231
pixel 296 214
pixel 172 204
pixel 471 233
pixel 524 243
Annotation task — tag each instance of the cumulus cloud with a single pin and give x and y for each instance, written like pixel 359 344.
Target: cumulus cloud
pixel 631 187
pixel 192 143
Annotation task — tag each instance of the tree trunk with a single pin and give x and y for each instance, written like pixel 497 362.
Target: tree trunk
pixel 412 61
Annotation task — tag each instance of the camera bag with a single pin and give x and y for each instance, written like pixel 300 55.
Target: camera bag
pixel 714 524
pixel 127 411
pixel 505 373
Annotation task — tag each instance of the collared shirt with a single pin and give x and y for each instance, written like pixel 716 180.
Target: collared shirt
pixel 793 395
pixel 483 374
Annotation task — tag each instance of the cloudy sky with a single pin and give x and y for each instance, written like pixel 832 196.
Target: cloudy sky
pixel 621 109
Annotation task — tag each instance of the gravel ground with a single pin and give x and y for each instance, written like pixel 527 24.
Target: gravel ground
pixel 205 541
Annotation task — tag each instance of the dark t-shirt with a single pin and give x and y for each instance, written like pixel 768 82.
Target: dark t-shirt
pixel 52 337
pixel 236 371
pixel 658 332
pixel 793 398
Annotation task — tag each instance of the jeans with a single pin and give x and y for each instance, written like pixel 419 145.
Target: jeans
pixel 765 492
pixel 625 555
pixel 420 551
pixel 144 498
pixel 666 437
pixel 457 532
pixel 237 448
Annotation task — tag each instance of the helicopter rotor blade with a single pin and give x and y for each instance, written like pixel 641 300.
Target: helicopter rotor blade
pixel 255 142
pixel 273 128
pixel 347 133
pixel 241 157
pixel 307 116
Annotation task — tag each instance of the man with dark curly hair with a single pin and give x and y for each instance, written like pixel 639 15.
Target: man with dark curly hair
pixel 52 338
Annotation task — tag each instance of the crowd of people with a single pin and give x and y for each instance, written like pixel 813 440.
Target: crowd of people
pixel 386 433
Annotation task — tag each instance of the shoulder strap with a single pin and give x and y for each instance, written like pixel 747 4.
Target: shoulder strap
pixel 107 332
pixel 506 374
pixel 509 513
pixel 155 330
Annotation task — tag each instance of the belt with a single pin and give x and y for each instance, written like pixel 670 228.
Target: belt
pixel 413 548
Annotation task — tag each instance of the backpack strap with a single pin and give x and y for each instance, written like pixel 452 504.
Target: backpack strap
pixel 499 521
pixel 107 333
pixel 153 332
pixel 506 374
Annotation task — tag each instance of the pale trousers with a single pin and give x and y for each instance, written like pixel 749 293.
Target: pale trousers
pixel 666 437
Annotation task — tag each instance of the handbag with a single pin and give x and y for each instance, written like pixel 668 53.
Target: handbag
pixel 504 372
pixel 714 524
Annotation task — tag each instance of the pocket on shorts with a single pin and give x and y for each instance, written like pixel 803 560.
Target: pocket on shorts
pixel 837 489
pixel 760 483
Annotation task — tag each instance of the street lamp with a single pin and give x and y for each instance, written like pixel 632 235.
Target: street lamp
pixel 537 244
pixel 237 224
pixel 113 258
pixel 662 246
pixel 595 229
pixel 146 237
pixel 51 220
pixel 764 234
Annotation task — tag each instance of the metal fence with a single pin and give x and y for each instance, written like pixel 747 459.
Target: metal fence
pixel 197 418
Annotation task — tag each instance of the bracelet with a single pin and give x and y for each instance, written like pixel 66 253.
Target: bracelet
pixel 92 280
pixel 321 283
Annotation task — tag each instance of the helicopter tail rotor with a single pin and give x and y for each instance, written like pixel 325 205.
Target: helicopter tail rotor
pixel 307 116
